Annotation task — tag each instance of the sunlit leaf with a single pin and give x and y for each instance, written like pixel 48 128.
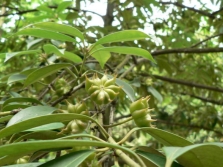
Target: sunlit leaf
pixel 100 55
pixel 30 112
pixel 44 72
pixel 127 50
pixel 62 28
pixel 21 99
pixel 13 54
pixel 49 48
pixel 197 155
pixel 70 160
pixel 42 33
pixel 63 5
pixel 126 35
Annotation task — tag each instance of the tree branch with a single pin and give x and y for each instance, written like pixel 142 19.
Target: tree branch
pixel 187 83
pixel 189 126
pixel 204 13
pixel 208 38
pixel 18 12
pixel 187 50
pixel 204 99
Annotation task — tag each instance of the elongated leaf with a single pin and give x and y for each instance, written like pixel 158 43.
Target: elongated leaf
pixel 15 78
pixel 11 107
pixel 49 48
pixel 32 146
pixel 166 138
pixel 70 160
pixel 44 72
pixel 127 89
pixel 51 126
pixel 62 28
pixel 35 164
pixel 13 54
pixel 21 99
pixel 63 5
pixel 100 55
pixel 38 121
pixel 6 118
pixel 30 112
pixel 155 93
pixel 41 135
pixel 201 155
pixel 155 160
pixel 42 33
pixel 128 50
pixel 126 35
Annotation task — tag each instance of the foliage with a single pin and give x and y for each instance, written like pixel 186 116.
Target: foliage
pixel 73 94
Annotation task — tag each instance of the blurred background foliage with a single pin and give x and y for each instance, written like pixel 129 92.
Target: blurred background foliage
pixel 186 41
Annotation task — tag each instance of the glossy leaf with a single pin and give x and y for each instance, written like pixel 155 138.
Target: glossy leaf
pixel 166 138
pixel 126 88
pixel 201 155
pixel 155 93
pixel 126 35
pixel 42 33
pixel 100 55
pixel 35 164
pixel 70 160
pixel 32 146
pixel 127 50
pixel 62 28
pixel 21 99
pixel 44 72
pixel 51 126
pixel 13 54
pixel 11 107
pixel 38 121
pixel 154 159
pixel 63 5
pixel 49 48
pixel 30 112
pixel 15 78
pixel 41 135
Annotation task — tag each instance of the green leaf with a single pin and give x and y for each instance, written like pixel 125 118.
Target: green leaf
pixel 38 121
pixel 154 159
pixel 63 5
pixel 198 155
pixel 11 107
pixel 155 93
pixel 15 78
pixel 126 35
pixel 49 48
pixel 166 138
pixel 62 28
pixel 35 164
pixel 70 160
pixel 30 112
pixel 44 8
pixel 127 50
pixel 40 135
pixel 42 33
pixel 51 126
pixel 101 56
pixel 6 118
pixel 13 54
pixel 44 72
pixel 21 99
pixel 126 88
pixel 32 146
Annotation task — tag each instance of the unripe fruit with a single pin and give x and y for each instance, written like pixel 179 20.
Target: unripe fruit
pixel 102 91
pixel 140 112
pixel 61 87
